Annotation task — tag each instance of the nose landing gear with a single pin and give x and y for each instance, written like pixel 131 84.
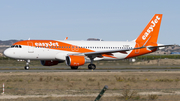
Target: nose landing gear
pixel 27 65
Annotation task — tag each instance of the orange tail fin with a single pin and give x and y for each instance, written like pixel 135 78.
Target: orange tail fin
pixel 150 33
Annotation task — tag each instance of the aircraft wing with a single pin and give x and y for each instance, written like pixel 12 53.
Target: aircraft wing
pixel 111 51
pixel 99 53
pixel 124 51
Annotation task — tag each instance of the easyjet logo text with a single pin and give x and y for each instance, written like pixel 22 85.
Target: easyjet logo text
pixel 46 44
pixel 150 29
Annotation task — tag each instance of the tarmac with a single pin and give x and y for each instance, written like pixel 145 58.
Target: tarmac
pixel 98 69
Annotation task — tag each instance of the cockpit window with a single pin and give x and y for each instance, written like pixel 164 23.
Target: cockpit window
pixel 16 46
pixel 20 46
pixel 12 46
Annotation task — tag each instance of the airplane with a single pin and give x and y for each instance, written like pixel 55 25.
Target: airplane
pixel 77 53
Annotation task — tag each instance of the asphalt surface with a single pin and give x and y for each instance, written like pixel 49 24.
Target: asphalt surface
pixel 105 70
pixel 98 69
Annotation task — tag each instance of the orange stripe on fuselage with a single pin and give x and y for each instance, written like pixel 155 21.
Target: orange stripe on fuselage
pixel 110 56
pixel 52 44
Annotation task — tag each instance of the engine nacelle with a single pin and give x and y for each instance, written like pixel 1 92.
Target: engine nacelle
pixel 74 60
pixel 50 62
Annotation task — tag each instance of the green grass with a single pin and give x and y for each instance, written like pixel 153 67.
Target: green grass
pixel 153 57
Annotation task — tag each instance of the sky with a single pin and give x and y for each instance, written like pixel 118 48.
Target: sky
pixel 110 20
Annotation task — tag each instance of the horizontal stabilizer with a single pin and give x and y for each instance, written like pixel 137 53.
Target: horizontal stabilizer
pixel 159 46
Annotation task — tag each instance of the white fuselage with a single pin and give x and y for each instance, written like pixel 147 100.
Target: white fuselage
pixel 44 53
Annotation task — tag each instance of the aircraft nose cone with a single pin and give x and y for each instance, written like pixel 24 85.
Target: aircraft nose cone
pixel 6 53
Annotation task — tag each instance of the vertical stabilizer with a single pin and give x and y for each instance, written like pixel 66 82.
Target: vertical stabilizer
pixel 150 33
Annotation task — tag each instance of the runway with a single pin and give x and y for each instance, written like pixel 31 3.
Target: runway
pixel 98 69
pixel 109 70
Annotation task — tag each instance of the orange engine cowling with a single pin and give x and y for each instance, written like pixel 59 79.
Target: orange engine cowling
pixel 74 60
pixel 50 62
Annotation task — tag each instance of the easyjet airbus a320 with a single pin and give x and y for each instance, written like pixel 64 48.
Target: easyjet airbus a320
pixel 77 53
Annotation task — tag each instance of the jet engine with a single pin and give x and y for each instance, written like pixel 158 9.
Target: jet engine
pixel 50 62
pixel 74 60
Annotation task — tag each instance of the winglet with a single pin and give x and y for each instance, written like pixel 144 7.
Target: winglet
pixel 66 38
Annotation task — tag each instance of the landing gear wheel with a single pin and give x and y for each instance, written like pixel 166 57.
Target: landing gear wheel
pixel 26 67
pixel 72 67
pixel 92 66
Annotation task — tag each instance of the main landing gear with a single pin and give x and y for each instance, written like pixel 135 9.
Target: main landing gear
pixel 74 67
pixel 27 65
pixel 91 65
